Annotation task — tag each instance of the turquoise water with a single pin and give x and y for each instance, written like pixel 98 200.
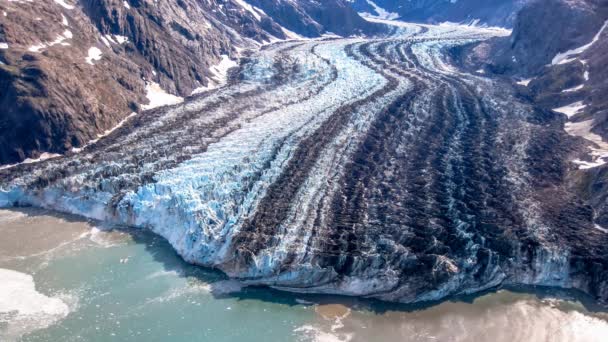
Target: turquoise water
pixel 131 286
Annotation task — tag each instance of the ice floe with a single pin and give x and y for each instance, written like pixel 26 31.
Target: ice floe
pixel 23 308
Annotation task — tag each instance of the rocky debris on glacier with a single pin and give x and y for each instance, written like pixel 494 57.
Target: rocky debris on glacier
pixel 368 167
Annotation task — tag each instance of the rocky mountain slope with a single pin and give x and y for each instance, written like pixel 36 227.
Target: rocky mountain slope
pixel 561 67
pixel 490 12
pixel 71 70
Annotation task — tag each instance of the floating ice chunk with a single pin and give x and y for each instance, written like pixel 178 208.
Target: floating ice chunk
pixel 158 97
pixel 3 45
pixel 126 4
pixel 94 55
pixel 25 308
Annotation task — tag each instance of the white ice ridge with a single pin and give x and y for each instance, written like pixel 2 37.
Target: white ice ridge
pixel 566 57
pixel 158 97
pixel 444 29
pixel 25 308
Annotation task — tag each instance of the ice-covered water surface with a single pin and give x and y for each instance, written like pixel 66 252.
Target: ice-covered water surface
pixel 360 166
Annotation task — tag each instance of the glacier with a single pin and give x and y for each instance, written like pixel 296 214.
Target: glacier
pixel 365 166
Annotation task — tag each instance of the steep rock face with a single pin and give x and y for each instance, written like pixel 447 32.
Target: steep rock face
pixel 74 69
pixel 490 12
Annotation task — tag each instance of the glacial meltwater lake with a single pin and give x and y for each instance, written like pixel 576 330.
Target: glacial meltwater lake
pixel 66 279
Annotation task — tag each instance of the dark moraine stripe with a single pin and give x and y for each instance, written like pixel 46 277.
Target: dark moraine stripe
pixel 258 232
pixel 188 142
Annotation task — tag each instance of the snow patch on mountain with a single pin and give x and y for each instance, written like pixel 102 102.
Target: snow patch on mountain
pixel 524 82
pixel 251 9
pixel 64 4
pixel 67 34
pixel 568 56
pixel 599 149
pixel 220 74
pixel 94 54
pixel 381 13
pixel 571 109
pixel 158 97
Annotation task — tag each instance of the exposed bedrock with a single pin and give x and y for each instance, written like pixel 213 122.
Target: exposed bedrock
pixel 367 167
